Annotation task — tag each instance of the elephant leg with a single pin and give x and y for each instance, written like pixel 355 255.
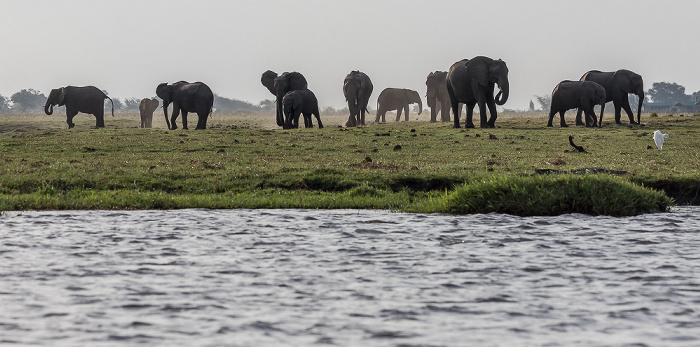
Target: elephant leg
pixel 482 114
pixel 628 109
pixel 562 122
pixel 405 109
pixel 362 116
pixel 493 113
pixel 69 117
pixel 551 117
pixel 308 121
pixel 201 120
pixel 318 118
pixel 579 120
pixel 470 114
pixel 184 120
pixel 618 114
pixel 398 113
pixel 173 117
pixel 100 119
pixel 445 113
pixel 456 110
pixel 590 116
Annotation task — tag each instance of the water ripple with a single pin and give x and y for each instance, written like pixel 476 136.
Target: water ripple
pixel 347 277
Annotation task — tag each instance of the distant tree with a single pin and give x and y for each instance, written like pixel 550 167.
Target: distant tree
pixel 532 105
pixel 545 101
pixel 27 100
pixel 4 104
pixel 695 97
pixel 118 105
pixel 131 104
pixel 267 105
pixel 223 104
pixel 667 93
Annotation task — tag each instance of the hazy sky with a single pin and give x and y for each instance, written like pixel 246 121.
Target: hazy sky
pixel 128 47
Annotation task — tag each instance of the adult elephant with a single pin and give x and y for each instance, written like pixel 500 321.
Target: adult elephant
pixel 437 95
pixel 472 82
pixel 88 100
pixel 280 85
pixel 186 97
pixel 397 99
pixel 299 102
pixel 577 94
pixel 617 85
pixel 146 109
pixel 357 88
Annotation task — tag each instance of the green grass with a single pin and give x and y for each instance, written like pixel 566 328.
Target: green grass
pixel 243 161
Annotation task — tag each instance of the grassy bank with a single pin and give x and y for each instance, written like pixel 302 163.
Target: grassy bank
pixel 243 162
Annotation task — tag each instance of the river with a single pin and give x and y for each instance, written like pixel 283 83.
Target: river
pixel 349 278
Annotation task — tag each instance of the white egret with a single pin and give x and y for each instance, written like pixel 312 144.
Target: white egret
pixel 659 139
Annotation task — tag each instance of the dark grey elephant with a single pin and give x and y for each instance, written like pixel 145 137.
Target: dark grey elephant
pixel 88 100
pixel 146 109
pixel 577 94
pixel 397 99
pixel 472 82
pixel 186 97
pixel 280 85
pixel 299 102
pixel 357 88
pixel 617 85
pixel 438 97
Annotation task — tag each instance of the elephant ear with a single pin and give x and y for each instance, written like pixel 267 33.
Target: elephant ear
pixel 345 87
pixel 61 96
pixel 268 80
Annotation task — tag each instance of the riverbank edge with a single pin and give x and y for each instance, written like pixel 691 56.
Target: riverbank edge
pixel 418 197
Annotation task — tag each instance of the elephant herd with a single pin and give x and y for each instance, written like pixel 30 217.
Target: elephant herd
pixel 468 81
pixel 186 97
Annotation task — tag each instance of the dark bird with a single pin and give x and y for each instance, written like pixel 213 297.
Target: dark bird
pixel 578 148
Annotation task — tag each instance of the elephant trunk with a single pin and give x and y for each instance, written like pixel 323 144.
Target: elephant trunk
pixel 48 108
pixel 503 93
pixel 420 106
pixel 639 107
pixel 280 113
pixel 165 111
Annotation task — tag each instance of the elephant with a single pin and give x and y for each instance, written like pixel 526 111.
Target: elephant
pixel 617 85
pixel 146 108
pixel 280 85
pixel 357 88
pixel 88 100
pixel 438 97
pixel 471 81
pixel 577 94
pixel 186 97
pixel 397 99
pixel 299 102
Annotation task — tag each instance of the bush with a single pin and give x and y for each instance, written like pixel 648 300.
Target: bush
pixel 555 195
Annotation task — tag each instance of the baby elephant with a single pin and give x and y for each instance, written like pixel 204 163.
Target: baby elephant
pixel 299 102
pixel 146 108
pixel 397 99
pixel 575 94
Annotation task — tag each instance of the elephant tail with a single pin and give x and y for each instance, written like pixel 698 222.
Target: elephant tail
pixel 110 100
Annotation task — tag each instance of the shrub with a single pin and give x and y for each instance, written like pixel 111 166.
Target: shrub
pixel 555 195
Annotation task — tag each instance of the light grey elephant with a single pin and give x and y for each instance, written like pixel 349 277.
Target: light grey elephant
pixel 397 99
pixel 146 108
pixel 577 94
pixel 438 97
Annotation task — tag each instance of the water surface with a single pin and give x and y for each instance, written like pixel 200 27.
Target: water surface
pixel 347 277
